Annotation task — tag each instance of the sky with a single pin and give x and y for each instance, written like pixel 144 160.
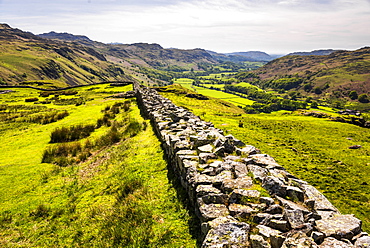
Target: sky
pixel 272 26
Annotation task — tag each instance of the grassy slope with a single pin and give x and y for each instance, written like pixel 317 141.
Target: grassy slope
pixel 313 149
pixel 344 70
pixel 187 83
pixel 120 197
pixel 21 61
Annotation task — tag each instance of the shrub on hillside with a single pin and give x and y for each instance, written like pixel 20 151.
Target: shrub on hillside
pixel 66 134
pixel 33 99
pixel 363 98
pixel 46 118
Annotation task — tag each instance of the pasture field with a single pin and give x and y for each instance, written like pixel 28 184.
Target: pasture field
pixel 109 189
pixel 236 100
pixel 315 150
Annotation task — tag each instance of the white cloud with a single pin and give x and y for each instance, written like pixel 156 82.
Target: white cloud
pixel 221 25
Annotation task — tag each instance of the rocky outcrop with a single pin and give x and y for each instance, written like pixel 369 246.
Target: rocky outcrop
pixel 223 178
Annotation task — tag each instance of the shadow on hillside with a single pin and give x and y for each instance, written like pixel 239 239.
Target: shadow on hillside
pixel 182 195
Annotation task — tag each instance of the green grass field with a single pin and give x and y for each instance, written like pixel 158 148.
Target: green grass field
pixel 314 149
pixel 236 100
pixel 121 196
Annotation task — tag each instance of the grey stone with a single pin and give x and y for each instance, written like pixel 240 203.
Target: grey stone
pixel 187 152
pixel 332 242
pixel 206 148
pixel 219 142
pixel 318 237
pixel 232 158
pixel 244 196
pixel 274 209
pixel 320 201
pixel 228 146
pixel 275 236
pixel 238 143
pixel 281 225
pixel 248 150
pixel 215 198
pixel 267 200
pixel 277 241
pixel 240 170
pixel 206 226
pixel 274 185
pixel 325 214
pixel 202 179
pixel 182 145
pixel 220 151
pixel 203 190
pixel 212 211
pixel 257 241
pixel 229 185
pixel 294 217
pixel 340 226
pixel 239 210
pixel 291 205
pixel 267 232
pixel 224 175
pixel 295 193
pixel 230 234
pixel 261 218
pixel 363 242
pixel 264 160
pixel 204 157
pixel 298 239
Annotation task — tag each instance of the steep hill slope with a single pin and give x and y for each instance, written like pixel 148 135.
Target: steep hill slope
pixel 149 55
pixel 339 72
pixel 315 52
pixel 25 58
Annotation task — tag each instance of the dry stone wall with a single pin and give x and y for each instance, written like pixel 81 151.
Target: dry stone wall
pixel 221 175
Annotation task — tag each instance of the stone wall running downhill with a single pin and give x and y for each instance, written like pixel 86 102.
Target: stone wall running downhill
pixel 221 175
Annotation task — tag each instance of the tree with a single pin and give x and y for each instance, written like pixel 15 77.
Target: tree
pixel 317 90
pixel 314 104
pixel 353 95
pixel 363 98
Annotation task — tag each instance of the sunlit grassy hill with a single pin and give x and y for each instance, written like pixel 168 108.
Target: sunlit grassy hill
pixel 26 59
pixel 333 74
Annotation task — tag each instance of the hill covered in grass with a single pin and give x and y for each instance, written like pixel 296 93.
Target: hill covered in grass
pixel 26 59
pixel 144 54
pixel 333 75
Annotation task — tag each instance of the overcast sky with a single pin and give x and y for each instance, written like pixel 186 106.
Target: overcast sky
pixel 272 26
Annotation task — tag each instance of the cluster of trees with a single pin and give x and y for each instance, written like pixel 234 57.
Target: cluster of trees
pixel 275 104
pixel 265 102
pixel 363 98
pixel 284 83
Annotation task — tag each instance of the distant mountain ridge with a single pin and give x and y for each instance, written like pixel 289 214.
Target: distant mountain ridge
pixel 64 36
pixel 152 55
pixel 315 52
pixel 256 55
pixel 251 56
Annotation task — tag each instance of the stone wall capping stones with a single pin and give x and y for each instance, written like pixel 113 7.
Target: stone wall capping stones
pixel 220 174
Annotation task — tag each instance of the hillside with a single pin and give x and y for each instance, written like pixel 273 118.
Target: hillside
pixel 62 59
pixel 149 55
pixel 254 55
pixel 28 59
pixel 334 75
pixel 237 57
pixel 315 52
